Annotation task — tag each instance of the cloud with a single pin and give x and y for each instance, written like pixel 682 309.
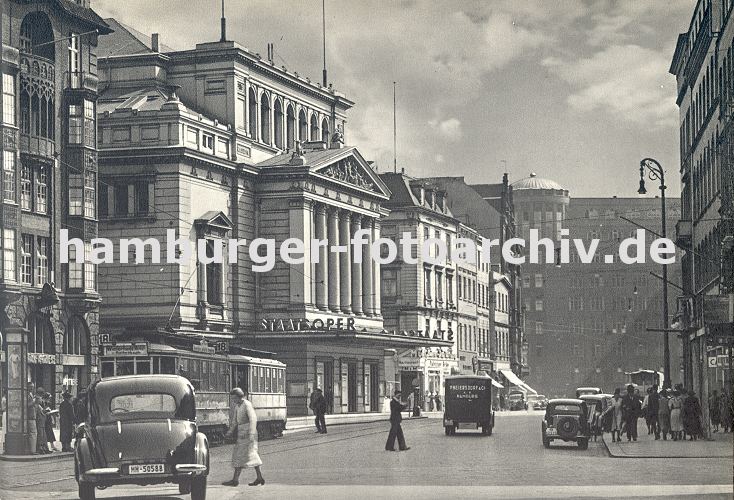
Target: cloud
pixel 630 82
pixel 449 129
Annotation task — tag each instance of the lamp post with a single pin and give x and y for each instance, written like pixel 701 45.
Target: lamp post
pixel 655 172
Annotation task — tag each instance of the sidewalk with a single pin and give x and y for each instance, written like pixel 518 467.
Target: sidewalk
pixel 57 455
pixel 721 446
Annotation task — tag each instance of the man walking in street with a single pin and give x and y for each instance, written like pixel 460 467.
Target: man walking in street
pixel 396 431
pixel 319 409
pixel 631 408
pixel 653 406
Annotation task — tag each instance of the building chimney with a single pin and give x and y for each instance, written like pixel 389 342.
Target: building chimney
pixel 155 42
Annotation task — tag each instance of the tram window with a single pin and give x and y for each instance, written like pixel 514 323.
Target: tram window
pixel 222 383
pixel 142 366
pixel 124 366
pixel 268 380
pixel 156 361
pixel 280 382
pixel 168 365
pixel 255 379
pixel 261 374
pixel 205 375
pixel 108 369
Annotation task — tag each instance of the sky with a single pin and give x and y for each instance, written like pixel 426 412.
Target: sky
pixel 575 91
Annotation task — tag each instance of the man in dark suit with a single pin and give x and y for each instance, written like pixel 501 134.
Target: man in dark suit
pixel 396 407
pixel 319 408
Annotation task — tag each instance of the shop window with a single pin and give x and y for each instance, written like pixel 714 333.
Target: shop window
pixel 75 337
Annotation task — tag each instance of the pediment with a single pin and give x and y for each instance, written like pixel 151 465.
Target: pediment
pixel 214 220
pixel 351 169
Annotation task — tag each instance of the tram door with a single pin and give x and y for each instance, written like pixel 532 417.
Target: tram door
pixel 241 377
pixel 325 380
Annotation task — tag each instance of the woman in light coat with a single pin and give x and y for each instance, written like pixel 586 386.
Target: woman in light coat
pixel 243 427
pixel 615 408
pixel 676 424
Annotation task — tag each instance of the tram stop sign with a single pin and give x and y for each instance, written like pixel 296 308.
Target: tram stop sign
pixel 712 362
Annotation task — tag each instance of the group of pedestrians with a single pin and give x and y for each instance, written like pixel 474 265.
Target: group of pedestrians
pixel 41 417
pixel 671 412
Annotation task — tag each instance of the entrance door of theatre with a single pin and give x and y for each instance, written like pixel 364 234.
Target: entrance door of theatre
pixel 352 387
pixel 372 387
pixel 325 381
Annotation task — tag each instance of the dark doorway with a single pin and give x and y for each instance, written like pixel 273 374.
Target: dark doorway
pixel 374 387
pixel 352 387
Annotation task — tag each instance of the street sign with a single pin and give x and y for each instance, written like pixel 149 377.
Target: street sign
pixel 723 361
pixel 713 362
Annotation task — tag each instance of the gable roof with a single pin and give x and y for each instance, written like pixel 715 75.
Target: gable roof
pixel 85 14
pixel 324 163
pixel 126 40
pixel 403 195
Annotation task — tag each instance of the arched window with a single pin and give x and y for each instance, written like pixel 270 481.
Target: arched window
pixel 265 118
pixel 253 114
pixel 75 337
pixel 41 335
pixel 36 35
pixel 325 130
pixel 314 128
pixel 302 126
pixel 278 121
pixel 290 127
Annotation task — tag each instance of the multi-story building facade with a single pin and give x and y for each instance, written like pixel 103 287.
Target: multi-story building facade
pixel 49 319
pixel 703 66
pixel 587 323
pixel 419 294
pixel 216 144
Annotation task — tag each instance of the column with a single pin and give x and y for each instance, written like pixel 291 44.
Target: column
pixel 376 287
pixel 333 236
pixel 367 295
pixel 321 277
pixel 345 259
pixel 356 270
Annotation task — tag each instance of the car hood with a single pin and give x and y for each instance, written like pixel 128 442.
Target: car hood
pixel 166 441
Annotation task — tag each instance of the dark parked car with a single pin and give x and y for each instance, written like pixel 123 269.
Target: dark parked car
pixel 596 405
pixel 566 419
pixel 141 429
pixel 468 404
pixel 516 400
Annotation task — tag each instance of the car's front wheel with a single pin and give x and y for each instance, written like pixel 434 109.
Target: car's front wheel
pixel 184 487
pixel 198 488
pixel 86 491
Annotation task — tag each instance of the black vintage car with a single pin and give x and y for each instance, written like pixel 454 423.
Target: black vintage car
pixel 141 429
pixel 468 404
pixel 567 420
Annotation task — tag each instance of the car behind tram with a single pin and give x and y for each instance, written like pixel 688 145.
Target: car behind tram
pixel 213 375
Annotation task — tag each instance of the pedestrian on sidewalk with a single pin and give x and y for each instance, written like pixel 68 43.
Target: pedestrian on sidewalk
pixel 40 414
pixel 715 410
pixel 31 420
pixel 631 411
pixel 50 422
pixel 664 413
pixel 644 410
pixel 396 430
pixel 66 422
pixel 243 427
pixel 725 408
pixel 676 423
pixel 319 409
pixel 691 415
pixel 653 405
pixel 615 408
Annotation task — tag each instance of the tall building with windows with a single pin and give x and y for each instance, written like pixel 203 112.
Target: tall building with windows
pixel 587 323
pixel 703 64
pixel 49 320
pixel 219 147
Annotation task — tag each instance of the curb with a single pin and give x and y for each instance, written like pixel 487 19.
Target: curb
pixel 664 457
pixel 37 458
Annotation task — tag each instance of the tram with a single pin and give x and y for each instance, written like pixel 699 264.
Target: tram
pixel 214 373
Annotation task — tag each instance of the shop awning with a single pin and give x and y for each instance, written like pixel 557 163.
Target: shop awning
pixel 512 378
pixel 496 384
pixel 529 389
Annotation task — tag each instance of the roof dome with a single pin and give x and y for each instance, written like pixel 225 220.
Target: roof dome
pixel 535 182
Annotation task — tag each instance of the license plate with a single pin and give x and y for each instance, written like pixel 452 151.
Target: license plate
pixel 147 469
pixel 550 431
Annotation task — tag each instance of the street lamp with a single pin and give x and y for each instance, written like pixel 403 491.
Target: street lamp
pixel 655 172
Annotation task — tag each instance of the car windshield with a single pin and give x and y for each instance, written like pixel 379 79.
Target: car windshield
pixel 161 404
